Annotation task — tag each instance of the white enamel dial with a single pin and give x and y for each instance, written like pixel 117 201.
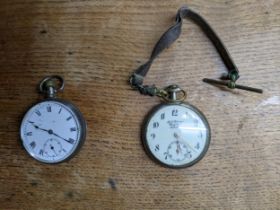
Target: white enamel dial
pixel 51 131
pixel 177 135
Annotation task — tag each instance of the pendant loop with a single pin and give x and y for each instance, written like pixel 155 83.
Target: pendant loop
pixel 174 94
pixel 50 85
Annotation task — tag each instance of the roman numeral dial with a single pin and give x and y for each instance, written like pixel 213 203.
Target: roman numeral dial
pixel 51 131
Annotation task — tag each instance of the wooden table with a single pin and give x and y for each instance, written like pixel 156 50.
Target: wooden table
pixel 95 45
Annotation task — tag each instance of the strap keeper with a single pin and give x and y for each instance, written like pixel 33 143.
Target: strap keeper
pixel 233 76
pixel 151 90
pixel 136 80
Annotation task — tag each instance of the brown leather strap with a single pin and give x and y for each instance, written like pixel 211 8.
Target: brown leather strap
pixel 170 36
pixel 173 33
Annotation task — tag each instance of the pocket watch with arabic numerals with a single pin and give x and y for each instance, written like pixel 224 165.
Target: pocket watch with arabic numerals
pixel 176 134
pixel 53 130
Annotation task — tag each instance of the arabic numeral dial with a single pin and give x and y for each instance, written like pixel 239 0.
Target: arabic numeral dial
pixel 176 135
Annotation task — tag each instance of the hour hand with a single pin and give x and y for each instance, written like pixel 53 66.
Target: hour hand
pixel 37 127
pixel 176 136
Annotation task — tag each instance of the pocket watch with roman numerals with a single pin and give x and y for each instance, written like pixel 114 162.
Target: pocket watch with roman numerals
pixel 53 130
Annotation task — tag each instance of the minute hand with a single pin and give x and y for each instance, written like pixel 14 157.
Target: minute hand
pixel 61 137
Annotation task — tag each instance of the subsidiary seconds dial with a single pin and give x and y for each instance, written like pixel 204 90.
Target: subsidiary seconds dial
pixel 176 135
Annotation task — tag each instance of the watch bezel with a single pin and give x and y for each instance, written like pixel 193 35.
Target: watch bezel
pixel 144 140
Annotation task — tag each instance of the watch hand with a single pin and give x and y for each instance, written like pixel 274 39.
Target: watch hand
pixel 50 131
pixel 179 138
pixel 60 137
pixel 37 127
pixel 179 147
pixel 178 150
pixel 52 148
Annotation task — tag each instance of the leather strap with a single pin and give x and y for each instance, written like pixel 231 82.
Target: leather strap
pixel 170 36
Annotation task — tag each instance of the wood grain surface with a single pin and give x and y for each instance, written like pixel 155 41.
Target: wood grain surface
pixel 95 45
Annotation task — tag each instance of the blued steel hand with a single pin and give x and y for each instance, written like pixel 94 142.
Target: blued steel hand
pixel 50 131
pixel 37 127
pixel 179 138
pixel 52 148
pixel 60 137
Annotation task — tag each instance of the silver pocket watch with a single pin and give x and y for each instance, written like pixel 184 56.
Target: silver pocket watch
pixel 53 130
pixel 176 134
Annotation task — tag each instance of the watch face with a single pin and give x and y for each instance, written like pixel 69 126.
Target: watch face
pixel 176 135
pixel 52 131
